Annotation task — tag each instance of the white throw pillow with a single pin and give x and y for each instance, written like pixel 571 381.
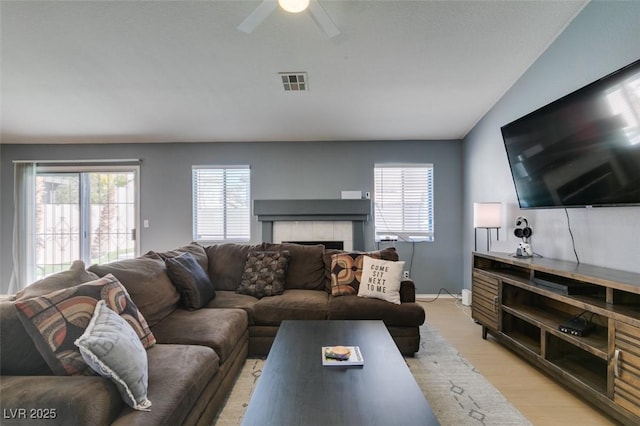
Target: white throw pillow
pixel 381 279
pixel 111 347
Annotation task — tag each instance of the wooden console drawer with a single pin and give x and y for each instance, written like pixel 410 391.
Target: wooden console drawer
pixel 485 300
pixel 626 359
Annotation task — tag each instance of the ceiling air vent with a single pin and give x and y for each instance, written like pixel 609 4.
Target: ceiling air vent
pixel 294 81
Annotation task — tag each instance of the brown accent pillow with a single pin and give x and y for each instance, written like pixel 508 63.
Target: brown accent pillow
pixel 191 280
pixel 264 273
pixel 306 265
pixel 147 282
pixel 76 274
pixel 56 320
pixel 226 264
pixel 346 269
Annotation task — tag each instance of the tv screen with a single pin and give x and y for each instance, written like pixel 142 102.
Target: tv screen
pixel 581 150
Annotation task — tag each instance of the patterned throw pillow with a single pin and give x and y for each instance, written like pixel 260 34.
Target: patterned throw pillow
pixel 112 349
pixel 191 280
pixel 264 273
pixel 56 320
pixel 346 272
pixel 381 279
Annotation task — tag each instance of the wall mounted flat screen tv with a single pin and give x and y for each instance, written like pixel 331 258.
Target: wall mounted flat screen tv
pixel 581 150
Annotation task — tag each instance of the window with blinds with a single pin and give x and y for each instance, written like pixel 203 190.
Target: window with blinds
pixel 403 201
pixel 221 203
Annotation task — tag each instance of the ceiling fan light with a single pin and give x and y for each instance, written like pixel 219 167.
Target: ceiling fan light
pixel 294 6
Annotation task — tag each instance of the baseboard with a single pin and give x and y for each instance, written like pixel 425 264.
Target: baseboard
pixel 424 297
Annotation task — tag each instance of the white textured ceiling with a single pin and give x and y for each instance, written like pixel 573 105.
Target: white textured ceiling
pixel 180 71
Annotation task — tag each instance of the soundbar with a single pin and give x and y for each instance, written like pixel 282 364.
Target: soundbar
pixel 566 289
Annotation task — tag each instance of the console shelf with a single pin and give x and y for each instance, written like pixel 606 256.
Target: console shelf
pixel 522 303
pixel 595 343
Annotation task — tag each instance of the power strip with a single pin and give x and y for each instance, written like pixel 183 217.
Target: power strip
pixel 577 327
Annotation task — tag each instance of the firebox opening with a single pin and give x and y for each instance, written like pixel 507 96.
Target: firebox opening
pixel 329 245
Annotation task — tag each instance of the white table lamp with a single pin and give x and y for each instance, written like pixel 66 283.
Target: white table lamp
pixel 487 216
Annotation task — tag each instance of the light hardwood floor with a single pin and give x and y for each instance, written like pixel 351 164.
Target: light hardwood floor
pixel 542 400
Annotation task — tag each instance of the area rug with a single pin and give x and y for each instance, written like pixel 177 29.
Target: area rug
pixel 458 394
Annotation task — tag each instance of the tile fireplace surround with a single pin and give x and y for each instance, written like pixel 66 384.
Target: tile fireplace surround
pixel 314 220
pixel 314 230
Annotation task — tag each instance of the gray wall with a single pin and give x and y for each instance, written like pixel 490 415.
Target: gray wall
pixel 295 170
pixel 604 37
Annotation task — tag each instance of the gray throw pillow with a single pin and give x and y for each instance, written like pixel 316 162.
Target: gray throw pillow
pixel 112 349
pixel 193 283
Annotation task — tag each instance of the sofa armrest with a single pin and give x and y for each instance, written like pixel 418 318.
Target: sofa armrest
pixel 407 291
pixel 58 400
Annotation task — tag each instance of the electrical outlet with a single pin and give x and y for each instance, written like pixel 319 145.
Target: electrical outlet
pixel 406 274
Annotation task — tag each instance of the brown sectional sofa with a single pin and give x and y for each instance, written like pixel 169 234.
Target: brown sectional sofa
pixel 198 353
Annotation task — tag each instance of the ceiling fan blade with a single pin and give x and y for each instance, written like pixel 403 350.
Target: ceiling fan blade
pixel 259 14
pixel 322 19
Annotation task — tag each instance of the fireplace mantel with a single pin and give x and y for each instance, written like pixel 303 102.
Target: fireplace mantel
pixel 275 210
pixel 356 211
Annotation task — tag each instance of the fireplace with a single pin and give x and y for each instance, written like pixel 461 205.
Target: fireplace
pixel 329 245
pixel 314 230
pixel 314 220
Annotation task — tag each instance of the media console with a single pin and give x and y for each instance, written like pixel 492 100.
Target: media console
pixel 526 304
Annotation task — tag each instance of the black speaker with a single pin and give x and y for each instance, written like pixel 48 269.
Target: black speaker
pixel 523 232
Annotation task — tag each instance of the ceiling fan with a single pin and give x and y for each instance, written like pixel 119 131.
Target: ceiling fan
pixel 268 6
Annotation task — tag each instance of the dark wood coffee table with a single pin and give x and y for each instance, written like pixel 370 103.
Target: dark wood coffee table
pixel 296 389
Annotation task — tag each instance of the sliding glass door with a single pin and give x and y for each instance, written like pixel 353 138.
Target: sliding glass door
pixel 88 215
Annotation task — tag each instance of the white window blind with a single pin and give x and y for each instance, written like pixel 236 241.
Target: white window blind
pixel 221 203
pixel 403 201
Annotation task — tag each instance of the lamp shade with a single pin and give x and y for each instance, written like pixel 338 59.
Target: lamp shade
pixel 294 6
pixel 487 215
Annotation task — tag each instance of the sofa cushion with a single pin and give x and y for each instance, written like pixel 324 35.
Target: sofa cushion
pixel 264 273
pixel 306 265
pixel 381 279
pixel 219 329
pixel 194 249
pixel 293 304
pixel 81 400
pixel 76 274
pixel 56 320
pixel 231 299
pixel 178 374
pixel 193 283
pixel 345 269
pixel 358 308
pixel 226 263
pixel 18 354
pixel 112 349
pixel 146 280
